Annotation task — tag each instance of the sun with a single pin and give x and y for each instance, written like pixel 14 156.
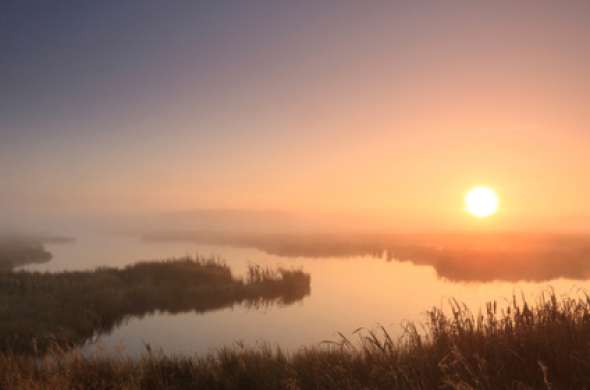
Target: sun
pixel 481 202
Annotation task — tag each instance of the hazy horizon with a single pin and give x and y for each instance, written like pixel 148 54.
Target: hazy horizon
pixel 262 222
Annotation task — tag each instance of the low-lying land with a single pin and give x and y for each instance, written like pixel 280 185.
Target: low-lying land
pixel 492 256
pixel 65 309
pixel 544 346
pixel 15 252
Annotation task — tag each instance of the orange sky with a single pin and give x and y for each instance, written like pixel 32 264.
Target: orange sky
pixel 388 111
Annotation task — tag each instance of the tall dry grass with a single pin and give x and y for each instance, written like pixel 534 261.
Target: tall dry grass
pixel 545 345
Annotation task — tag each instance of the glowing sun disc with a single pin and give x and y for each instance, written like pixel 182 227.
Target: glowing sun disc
pixel 481 202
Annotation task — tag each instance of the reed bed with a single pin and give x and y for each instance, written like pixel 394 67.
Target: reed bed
pixel 545 345
pixel 39 310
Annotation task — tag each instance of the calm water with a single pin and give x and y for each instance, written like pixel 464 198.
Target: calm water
pixel 347 292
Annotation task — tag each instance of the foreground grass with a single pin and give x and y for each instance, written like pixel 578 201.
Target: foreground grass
pixel 544 346
pixel 69 308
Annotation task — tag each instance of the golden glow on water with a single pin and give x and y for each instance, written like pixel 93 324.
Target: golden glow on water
pixel 350 288
pixel 481 202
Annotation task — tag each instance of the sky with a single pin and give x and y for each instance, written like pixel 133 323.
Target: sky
pixel 389 110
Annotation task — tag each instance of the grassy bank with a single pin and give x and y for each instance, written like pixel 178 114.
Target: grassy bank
pixel 69 308
pixel 544 346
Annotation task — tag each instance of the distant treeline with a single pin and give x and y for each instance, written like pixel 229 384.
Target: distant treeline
pixel 542 346
pixel 69 308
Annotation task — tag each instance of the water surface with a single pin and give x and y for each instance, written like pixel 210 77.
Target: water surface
pixel 347 292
